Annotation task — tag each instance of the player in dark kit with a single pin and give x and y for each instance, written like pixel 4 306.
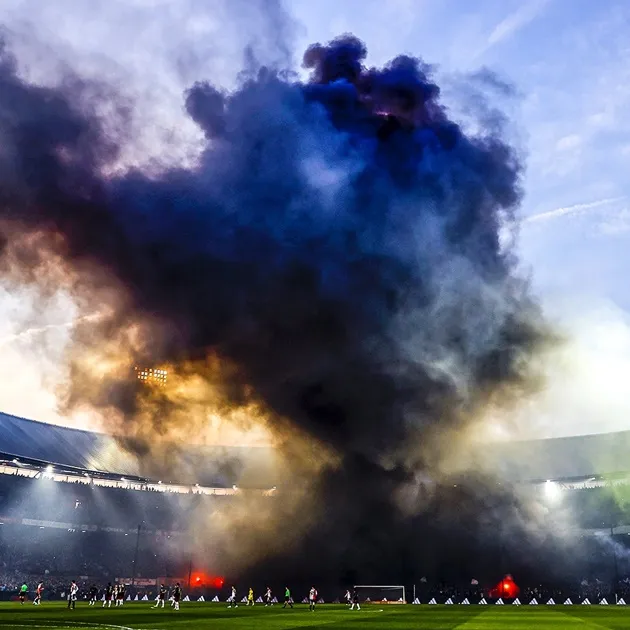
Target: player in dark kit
pixel 161 598
pixel 355 600
pixel 177 596
pixel 93 595
pixel 287 598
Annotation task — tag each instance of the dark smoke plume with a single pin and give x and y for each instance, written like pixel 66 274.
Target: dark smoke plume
pixel 335 251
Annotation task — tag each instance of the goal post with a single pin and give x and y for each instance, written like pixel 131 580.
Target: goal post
pixel 380 594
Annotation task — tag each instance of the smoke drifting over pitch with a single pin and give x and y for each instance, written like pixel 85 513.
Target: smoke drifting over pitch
pixel 332 264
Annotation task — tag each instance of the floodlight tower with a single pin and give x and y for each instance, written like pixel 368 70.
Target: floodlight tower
pixel 151 375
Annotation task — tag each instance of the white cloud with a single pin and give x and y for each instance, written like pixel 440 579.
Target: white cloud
pixel 569 143
pixel 514 22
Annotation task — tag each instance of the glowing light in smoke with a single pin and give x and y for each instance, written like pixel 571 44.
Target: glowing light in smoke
pixel 553 491
pixel 152 375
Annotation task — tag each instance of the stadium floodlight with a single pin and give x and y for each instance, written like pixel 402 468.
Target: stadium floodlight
pixel 49 469
pixel 552 491
pixel 370 594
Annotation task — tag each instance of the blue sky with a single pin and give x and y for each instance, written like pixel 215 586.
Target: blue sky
pixel 569 62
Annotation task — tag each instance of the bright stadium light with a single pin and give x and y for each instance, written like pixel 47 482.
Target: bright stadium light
pixel 49 469
pixel 552 491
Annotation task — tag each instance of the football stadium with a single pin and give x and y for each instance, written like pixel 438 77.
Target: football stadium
pixel 300 329
pixel 69 515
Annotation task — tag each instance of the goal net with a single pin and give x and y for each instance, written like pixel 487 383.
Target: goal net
pixel 381 594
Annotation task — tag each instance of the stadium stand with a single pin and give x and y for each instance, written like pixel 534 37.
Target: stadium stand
pixel 74 504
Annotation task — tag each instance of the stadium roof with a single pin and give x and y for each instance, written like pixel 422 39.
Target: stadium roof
pixel 571 458
pixel 567 458
pixel 30 442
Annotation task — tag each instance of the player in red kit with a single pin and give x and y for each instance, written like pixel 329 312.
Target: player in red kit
pixel 38 594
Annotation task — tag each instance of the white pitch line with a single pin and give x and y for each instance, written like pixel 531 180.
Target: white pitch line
pixel 71 624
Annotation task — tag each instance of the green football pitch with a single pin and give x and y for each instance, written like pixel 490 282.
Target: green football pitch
pixel 138 616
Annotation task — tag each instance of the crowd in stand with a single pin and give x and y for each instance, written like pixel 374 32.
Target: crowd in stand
pixel 31 551
pixel 99 506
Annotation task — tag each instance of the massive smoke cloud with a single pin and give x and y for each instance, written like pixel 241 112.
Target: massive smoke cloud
pixel 331 267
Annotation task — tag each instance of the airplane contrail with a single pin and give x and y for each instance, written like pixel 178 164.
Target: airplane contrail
pixel 574 209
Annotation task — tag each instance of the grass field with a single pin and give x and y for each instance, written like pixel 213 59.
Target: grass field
pixel 55 616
